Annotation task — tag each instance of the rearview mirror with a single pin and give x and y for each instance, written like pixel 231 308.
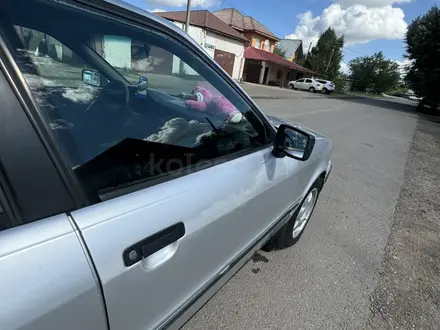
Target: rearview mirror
pixel 91 77
pixel 293 143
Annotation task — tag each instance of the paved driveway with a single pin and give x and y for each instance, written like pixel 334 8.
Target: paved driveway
pixel 326 280
pixel 271 92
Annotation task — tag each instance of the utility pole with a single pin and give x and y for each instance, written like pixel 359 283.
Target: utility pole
pixel 188 13
pixel 310 46
pixel 330 60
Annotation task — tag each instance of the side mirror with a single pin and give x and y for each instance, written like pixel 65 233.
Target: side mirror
pixel 293 143
pixel 91 77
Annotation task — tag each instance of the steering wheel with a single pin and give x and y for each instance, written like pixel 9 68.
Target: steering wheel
pixel 105 117
pixel 112 102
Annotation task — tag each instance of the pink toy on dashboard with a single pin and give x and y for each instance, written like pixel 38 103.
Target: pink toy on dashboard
pixel 203 100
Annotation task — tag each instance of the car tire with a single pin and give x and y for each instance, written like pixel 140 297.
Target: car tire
pixel 325 91
pixel 312 89
pixel 291 86
pixel 292 231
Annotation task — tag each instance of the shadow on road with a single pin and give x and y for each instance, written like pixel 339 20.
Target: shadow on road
pixel 388 103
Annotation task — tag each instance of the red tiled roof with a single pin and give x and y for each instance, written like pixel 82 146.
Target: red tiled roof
pixel 237 20
pixel 253 53
pixel 204 19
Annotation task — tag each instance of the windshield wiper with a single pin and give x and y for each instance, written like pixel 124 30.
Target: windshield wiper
pixel 214 128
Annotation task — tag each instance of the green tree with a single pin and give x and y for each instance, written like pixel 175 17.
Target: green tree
pixel 423 49
pixel 326 53
pixel 341 82
pixel 374 72
pixel 279 51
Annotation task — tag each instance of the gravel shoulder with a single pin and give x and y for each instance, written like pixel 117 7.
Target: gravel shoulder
pixel 407 295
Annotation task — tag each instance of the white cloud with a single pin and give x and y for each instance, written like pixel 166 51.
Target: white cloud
pixel 358 24
pixel 404 66
pixel 344 68
pixel 370 3
pixel 182 3
pixel 175 129
pixel 156 10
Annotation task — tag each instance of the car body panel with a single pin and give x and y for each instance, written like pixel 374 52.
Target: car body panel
pixel 299 84
pixel 310 82
pixel 329 85
pixel 46 279
pixel 234 202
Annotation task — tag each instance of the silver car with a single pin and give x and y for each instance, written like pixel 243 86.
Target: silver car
pixel 136 176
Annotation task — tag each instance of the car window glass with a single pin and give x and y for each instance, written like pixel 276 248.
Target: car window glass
pixel 322 81
pixel 123 103
pixel 308 81
pixel 4 221
pixel 301 80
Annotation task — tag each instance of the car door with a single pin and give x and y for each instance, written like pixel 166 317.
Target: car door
pixel 307 84
pixel 299 84
pixel 45 280
pixel 176 195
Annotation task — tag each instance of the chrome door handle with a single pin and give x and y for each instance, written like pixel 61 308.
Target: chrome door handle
pixel 152 244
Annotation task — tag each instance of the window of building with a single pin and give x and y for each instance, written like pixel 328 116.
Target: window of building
pixel 267 45
pixel 257 43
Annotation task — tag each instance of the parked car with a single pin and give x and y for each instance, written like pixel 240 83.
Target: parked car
pixel 308 84
pixel 414 97
pixel 327 86
pixel 428 106
pixel 131 189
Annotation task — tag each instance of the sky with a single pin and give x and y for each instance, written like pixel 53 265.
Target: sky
pixel 368 26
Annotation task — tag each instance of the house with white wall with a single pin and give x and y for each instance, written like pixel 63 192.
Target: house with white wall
pixel 262 65
pixel 225 45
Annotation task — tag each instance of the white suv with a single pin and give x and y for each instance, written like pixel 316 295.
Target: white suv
pixel 309 84
pixel 328 86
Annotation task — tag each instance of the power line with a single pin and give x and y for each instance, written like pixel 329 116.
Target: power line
pixel 354 51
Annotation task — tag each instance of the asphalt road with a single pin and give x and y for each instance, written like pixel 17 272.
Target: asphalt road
pixel 327 279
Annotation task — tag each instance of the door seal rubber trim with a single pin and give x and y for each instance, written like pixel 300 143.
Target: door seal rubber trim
pixel 92 265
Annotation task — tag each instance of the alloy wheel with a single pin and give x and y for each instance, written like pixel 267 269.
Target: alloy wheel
pixel 305 212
